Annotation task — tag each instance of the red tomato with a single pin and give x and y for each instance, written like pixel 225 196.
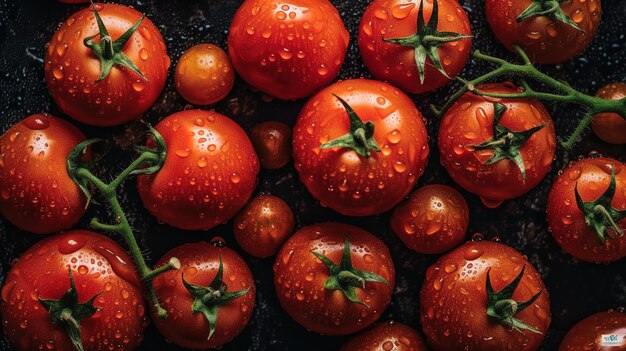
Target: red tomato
pixel 101 270
pixel 288 49
pixel 434 219
pixel 209 173
pixel 37 193
pixel 588 333
pixel 75 74
pixel 389 336
pixel 459 311
pixel 545 38
pixel 272 141
pixel 610 127
pixel 389 37
pixel 334 278
pixel 587 233
pixel 361 158
pixel 486 155
pixel 230 302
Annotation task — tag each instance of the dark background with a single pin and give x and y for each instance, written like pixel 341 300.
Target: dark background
pixel 576 289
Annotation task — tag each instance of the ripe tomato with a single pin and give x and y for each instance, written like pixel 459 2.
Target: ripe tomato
pixel 263 225
pixel 587 334
pixel 610 127
pixel 556 37
pixel 388 336
pixel 497 153
pixel 37 193
pixel 288 49
pixel 484 296
pixel 396 48
pixel 272 142
pixel 104 87
pixel 105 285
pixel 213 284
pixel 204 74
pixel 334 278
pixel 583 228
pixel 209 173
pixel 360 146
pixel 433 220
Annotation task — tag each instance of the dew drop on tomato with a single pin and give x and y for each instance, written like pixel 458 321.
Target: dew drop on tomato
pixel 36 122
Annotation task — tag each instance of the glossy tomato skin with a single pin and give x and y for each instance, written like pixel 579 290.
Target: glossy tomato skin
pixel 433 220
pixel 287 49
pixel 388 19
pixel 469 122
pixel 37 193
pixel 387 336
pixel 587 334
pixel 453 300
pixel 72 69
pixel 340 178
pixel 272 142
pixel 610 127
pixel 199 264
pixel 567 222
pixel 99 266
pixel 544 39
pixel 209 173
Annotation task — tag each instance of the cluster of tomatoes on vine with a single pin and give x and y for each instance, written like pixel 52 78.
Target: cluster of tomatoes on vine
pixel 359 146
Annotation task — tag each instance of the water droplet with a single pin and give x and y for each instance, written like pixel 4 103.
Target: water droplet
pixel 71 245
pixel 472 253
pixel 82 270
pixel 218 242
pixel 322 70
pixel 183 153
pixel 402 11
pixel 394 136
pixel 57 72
pixel 235 178
pixel 37 122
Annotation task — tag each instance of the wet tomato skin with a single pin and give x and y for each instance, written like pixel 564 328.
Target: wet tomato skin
pixel 272 142
pixel 99 266
pixel 387 336
pixel 610 127
pixel 72 69
pixel 455 289
pixel 209 173
pixel 199 265
pixel 433 220
pixel 587 334
pixel 287 49
pixel 37 193
pixel 567 222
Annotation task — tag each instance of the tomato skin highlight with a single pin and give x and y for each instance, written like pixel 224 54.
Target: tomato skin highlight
pixel 387 336
pixel 287 49
pixel 610 127
pixel 209 173
pixel 587 334
pixel 99 266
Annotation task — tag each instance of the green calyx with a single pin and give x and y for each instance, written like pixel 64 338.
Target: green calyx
pixel 207 300
pixel 549 8
pixel 361 135
pixel 505 142
pixel 599 214
pixel 109 51
pixel 67 312
pixel 502 308
pixel 345 277
pixel 427 39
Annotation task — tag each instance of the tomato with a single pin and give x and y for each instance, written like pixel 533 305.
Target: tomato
pixel 588 333
pixel 101 280
pixel 263 225
pixel 334 278
pixel 272 142
pixel 209 173
pixel 288 49
pixel 484 296
pixel 389 336
pixel 98 86
pixel 563 33
pixel 584 229
pixel 213 283
pixel 433 220
pixel 360 146
pixel 395 48
pixel 497 153
pixel 204 74
pixel 610 127
pixel 37 193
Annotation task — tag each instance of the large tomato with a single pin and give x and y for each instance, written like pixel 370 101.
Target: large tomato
pixel 288 49
pixel 77 276
pixel 106 85
pixel 37 194
pixel 588 334
pixel 388 336
pixel 583 226
pixel 608 126
pixel 360 146
pixel 209 173
pixel 484 296
pixel 498 149
pixel 334 278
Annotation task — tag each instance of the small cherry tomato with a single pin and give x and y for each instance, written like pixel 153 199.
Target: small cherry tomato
pixel 610 127
pixel 388 336
pixel 272 142
pixel 588 334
